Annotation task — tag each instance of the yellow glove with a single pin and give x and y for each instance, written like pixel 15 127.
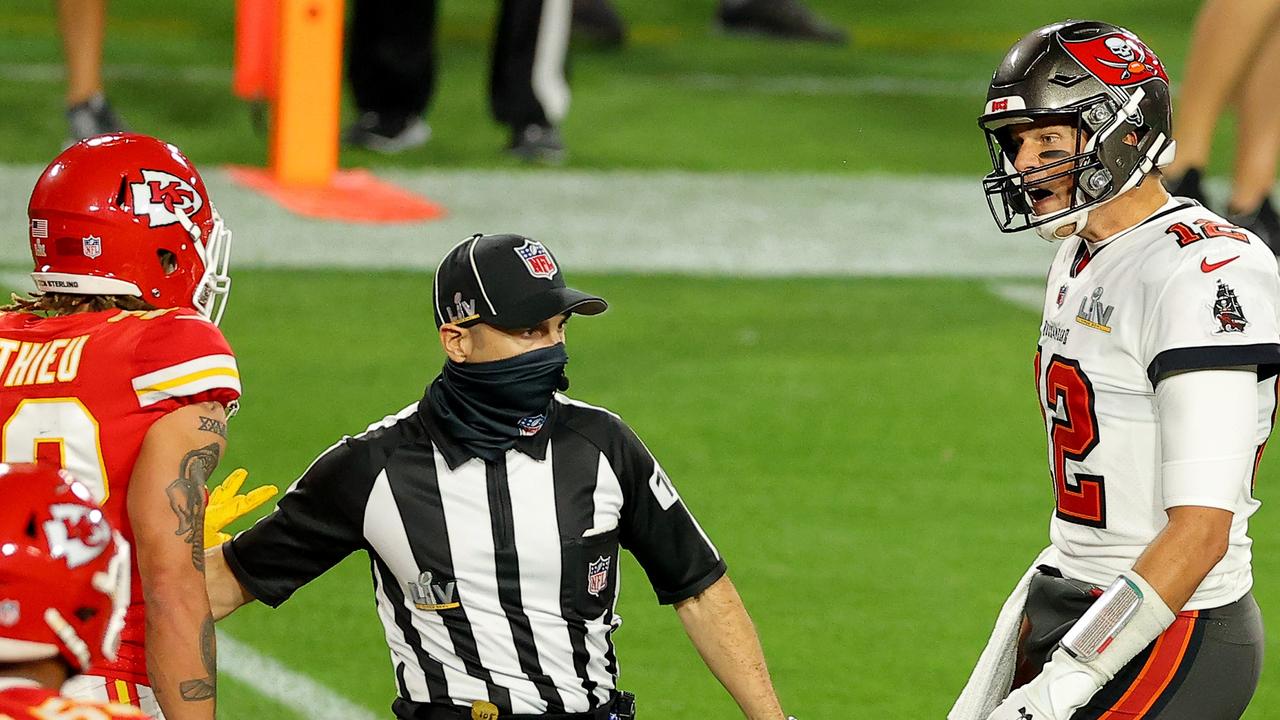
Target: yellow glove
pixel 225 505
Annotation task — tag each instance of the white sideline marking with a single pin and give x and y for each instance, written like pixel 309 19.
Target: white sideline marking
pixel 779 85
pixel 734 224
pixel 18 282
pixel 56 73
pixel 1024 295
pixel 277 682
pixel 828 85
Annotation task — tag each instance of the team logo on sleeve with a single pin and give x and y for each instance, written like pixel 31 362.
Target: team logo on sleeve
pixel 1227 310
pixel 1093 313
pixel 164 199
pixel 537 259
pixel 598 575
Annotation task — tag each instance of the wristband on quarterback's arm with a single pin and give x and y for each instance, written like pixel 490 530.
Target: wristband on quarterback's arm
pixel 1121 623
pixel 1127 618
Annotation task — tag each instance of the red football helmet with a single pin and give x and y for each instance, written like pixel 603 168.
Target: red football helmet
pixel 127 214
pixel 64 574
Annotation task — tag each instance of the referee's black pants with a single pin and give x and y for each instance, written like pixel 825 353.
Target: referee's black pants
pixel 391 60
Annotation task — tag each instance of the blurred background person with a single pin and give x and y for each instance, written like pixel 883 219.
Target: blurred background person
pixel 392 68
pixel 1235 55
pixel 599 22
pixel 82 25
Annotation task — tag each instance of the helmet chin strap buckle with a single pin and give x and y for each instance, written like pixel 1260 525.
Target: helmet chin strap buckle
pixel 1065 227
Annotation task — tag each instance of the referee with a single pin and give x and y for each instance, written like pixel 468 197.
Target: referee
pixel 492 511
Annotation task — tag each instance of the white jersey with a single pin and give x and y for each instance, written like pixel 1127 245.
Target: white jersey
pixel 1183 290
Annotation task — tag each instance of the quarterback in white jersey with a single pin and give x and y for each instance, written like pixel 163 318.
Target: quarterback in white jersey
pixel 1183 290
pixel 1156 372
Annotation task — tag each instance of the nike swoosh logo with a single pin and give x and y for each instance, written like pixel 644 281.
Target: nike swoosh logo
pixel 1206 266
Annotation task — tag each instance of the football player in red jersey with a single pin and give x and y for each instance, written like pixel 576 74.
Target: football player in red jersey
pixel 116 371
pixel 64 587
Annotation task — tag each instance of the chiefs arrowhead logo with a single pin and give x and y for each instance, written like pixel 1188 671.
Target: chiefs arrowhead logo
pixel 76 533
pixel 164 199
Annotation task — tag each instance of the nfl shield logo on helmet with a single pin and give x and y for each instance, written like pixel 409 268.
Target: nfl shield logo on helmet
pixel 92 246
pixel 537 259
pixel 598 575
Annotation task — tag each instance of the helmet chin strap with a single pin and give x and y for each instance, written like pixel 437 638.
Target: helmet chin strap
pixel 1065 227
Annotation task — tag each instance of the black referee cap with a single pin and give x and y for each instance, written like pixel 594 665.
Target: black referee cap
pixel 508 281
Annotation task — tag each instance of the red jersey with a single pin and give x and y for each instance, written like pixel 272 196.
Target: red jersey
pixel 81 391
pixel 23 701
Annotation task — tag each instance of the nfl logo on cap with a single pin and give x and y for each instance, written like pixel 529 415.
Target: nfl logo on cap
pixel 92 246
pixel 537 259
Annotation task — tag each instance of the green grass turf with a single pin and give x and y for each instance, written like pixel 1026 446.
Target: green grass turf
pixel 865 453
pixel 635 109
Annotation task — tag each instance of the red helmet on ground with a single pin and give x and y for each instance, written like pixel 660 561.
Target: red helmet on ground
pixel 127 214
pixel 64 574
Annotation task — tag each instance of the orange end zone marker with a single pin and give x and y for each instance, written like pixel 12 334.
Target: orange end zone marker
pixel 257 27
pixel 350 196
pixel 304 118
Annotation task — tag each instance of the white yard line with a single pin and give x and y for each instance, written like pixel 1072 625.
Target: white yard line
pixel 273 680
pixel 736 224
pixel 1024 295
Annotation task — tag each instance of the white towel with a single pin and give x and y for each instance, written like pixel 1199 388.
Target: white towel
pixel 991 677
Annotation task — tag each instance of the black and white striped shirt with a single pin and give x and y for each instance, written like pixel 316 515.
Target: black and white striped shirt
pixel 494 580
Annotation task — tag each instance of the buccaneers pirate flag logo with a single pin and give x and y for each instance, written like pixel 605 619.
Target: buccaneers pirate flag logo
pixel 1117 59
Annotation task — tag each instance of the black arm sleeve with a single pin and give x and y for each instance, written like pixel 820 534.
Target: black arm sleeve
pixel 316 524
pixel 658 529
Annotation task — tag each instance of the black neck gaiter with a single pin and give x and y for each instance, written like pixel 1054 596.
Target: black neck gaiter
pixel 486 407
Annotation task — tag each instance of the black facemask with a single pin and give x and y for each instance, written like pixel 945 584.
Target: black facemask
pixel 486 407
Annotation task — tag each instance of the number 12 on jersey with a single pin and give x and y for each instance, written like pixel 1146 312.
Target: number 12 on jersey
pixel 1073 433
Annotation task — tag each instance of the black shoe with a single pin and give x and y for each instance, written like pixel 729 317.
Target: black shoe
pixel 1187 186
pixel 92 117
pixel 386 133
pixel 537 144
pixel 787 19
pixel 1262 221
pixel 598 22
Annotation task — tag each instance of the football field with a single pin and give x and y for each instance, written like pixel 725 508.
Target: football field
pixel 832 359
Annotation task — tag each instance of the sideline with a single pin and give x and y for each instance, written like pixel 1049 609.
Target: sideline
pixel 270 679
pixel 734 224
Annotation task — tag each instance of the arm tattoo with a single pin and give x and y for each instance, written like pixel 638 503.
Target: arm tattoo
pixel 204 688
pixel 186 498
pixel 214 426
